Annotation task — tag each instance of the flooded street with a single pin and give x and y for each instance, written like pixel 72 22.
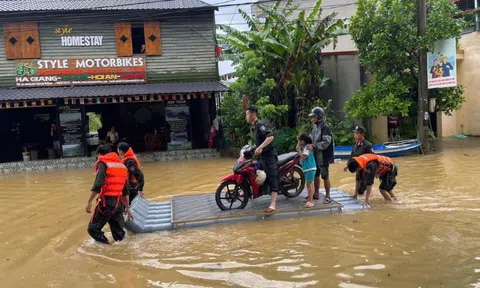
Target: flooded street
pixel 429 240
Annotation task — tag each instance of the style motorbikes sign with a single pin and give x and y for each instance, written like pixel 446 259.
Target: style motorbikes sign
pixel 87 71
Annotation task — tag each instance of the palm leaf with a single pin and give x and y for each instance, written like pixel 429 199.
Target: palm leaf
pixel 315 11
pixel 252 23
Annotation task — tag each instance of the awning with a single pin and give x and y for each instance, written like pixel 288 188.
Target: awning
pixel 110 90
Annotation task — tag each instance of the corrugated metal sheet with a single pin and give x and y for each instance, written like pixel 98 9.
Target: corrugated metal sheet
pixel 188 47
pixel 43 5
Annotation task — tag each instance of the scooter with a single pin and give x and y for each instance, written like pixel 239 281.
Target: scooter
pixel 237 188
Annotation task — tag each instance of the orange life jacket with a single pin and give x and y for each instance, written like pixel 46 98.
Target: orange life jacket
pixel 130 155
pixel 117 175
pixel 385 166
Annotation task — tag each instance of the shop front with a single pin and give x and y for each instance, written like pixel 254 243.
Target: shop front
pixel 150 117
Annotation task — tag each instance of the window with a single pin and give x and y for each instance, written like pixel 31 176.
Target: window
pixel 21 41
pixel 138 38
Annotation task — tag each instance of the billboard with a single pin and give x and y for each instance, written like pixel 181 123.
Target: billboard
pixel 442 65
pixel 87 71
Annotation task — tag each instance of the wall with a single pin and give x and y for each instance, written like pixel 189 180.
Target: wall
pixel 188 44
pixel 379 129
pixel 344 72
pixel 467 120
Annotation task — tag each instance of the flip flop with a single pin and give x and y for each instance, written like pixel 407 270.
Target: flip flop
pixel 309 205
pixel 327 201
pixel 270 210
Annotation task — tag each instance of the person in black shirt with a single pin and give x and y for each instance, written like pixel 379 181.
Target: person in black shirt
pixel 361 146
pixel 110 208
pixel 136 180
pixel 55 140
pixel 267 152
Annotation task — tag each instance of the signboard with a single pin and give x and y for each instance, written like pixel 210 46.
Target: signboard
pixel 72 131
pixel 77 41
pixel 442 65
pixel 87 71
pixel 178 125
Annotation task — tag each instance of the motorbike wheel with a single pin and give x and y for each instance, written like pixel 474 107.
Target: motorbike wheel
pixel 229 193
pixel 297 178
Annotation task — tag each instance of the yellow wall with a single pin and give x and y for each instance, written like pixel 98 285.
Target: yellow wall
pixel 467 120
pixel 379 129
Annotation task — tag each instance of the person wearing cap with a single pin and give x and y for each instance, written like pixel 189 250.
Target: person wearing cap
pixel 376 166
pixel 267 152
pixel 323 146
pixel 361 147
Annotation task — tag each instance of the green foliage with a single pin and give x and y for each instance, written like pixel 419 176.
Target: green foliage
pixel 285 140
pixel 448 99
pixel 281 58
pixel 236 129
pixel 94 122
pixel 385 33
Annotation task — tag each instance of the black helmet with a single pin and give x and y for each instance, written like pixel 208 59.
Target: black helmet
pixel 317 111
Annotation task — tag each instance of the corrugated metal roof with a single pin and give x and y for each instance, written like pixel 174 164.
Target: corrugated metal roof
pixel 71 5
pixel 110 90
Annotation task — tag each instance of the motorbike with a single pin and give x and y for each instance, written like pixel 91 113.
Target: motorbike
pixel 236 189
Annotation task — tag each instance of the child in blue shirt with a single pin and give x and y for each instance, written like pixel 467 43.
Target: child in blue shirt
pixel 308 164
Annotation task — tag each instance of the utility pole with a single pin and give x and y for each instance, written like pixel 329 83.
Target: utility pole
pixel 422 78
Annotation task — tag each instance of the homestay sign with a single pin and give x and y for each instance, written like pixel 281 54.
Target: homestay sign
pixel 87 71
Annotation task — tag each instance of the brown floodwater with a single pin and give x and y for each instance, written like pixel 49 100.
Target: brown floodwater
pixel 430 239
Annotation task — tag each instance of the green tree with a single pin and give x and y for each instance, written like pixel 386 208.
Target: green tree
pixel 385 32
pixel 283 58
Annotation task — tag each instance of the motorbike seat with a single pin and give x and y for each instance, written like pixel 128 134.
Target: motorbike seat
pixel 285 158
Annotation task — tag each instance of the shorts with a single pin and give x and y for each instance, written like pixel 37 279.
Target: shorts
pixel 270 165
pixel 310 176
pixel 322 171
pixel 389 180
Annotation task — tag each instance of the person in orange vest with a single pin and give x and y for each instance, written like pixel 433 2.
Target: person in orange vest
pixel 112 200
pixel 136 179
pixel 376 165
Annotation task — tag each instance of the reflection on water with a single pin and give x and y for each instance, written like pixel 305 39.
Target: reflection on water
pixel 429 240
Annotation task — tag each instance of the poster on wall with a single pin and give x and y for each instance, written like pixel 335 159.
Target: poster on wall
pixel 72 131
pixel 177 113
pixel 442 65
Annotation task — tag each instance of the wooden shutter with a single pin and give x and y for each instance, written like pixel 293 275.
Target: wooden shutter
pixel 31 41
pixel 22 41
pixel 123 34
pixel 153 41
pixel 13 41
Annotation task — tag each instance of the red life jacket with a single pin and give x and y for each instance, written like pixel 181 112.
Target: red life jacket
pixel 385 164
pixel 130 155
pixel 117 175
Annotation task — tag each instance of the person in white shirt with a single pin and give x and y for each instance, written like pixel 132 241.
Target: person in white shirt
pixel 112 138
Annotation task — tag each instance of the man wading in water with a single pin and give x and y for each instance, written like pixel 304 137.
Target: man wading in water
pixel 361 146
pixel 323 146
pixel 111 176
pixel 268 155
pixel 135 180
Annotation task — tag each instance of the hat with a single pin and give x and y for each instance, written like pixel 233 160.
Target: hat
pixel 360 129
pixel 317 111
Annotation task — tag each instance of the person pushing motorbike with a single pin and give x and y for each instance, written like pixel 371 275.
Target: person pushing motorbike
pixel 267 152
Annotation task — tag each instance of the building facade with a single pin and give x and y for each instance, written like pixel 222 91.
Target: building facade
pixel 148 69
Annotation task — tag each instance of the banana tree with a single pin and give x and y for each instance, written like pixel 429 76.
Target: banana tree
pixel 291 50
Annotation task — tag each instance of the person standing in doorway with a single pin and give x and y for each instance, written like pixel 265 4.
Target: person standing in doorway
pixel 267 152
pixel 112 138
pixel 135 180
pixel 112 200
pixel 57 148
pixel 322 146
pixel 361 147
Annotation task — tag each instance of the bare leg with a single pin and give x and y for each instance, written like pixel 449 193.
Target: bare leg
pixel 316 193
pixel 327 188
pixel 311 190
pixel 274 202
pixel 394 197
pixel 386 195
